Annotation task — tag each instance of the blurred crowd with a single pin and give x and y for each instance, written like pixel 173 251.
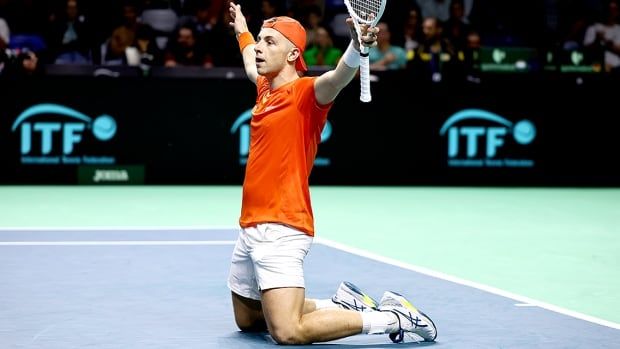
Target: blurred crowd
pixel 427 36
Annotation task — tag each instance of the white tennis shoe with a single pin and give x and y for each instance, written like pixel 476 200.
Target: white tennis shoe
pixel 410 319
pixel 349 296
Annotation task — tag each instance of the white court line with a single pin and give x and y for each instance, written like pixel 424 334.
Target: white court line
pixel 122 228
pixel 329 243
pixel 118 243
pixel 489 289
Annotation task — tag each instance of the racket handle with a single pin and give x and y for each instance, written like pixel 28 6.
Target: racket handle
pixel 364 78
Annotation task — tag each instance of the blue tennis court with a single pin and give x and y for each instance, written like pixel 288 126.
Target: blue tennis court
pixel 139 288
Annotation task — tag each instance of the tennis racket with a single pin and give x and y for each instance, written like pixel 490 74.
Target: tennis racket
pixel 364 12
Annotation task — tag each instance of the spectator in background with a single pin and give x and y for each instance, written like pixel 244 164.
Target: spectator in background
pixel 604 36
pixel 187 50
pixel 457 27
pixel 203 24
pixel 436 54
pixel 68 38
pixel 103 17
pixel 312 20
pixel 321 51
pixel 122 36
pixel 201 18
pixel 386 56
pixel 471 56
pixel 16 63
pixel 30 63
pixel 412 33
pixel 146 47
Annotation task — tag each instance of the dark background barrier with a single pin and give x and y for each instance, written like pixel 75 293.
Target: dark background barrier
pixel 178 127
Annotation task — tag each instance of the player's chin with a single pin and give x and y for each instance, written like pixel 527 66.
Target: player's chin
pixel 261 69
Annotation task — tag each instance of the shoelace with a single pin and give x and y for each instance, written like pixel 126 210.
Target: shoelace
pixel 414 321
pixel 348 305
pixel 356 307
pixel 399 336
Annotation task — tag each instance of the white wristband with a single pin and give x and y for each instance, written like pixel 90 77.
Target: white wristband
pixel 351 56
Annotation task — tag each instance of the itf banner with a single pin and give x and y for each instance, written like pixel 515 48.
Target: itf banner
pixel 502 130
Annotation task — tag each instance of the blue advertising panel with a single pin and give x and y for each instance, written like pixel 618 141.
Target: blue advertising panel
pixel 522 129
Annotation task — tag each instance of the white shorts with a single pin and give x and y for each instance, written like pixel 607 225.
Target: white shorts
pixel 268 256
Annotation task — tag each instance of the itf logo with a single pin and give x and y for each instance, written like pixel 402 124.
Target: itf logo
pixel 242 126
pixel 58 129
pixel 475 138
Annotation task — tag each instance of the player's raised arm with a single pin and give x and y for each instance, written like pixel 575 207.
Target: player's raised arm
pixel 246 41
pixel 329 84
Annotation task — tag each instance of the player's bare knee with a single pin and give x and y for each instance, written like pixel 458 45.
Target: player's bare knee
pixel 288 335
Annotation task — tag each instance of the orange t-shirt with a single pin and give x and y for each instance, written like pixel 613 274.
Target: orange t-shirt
pixel 285 132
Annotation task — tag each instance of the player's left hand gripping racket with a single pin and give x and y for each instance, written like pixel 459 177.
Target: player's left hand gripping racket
pixel 364 12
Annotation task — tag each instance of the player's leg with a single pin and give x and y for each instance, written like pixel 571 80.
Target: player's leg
pixel 278 261
pixel 313 304
pixel 278 254
pixel 248 314
pixel 246 298
pixel 244 287
pixel 275 254
pixel 283 310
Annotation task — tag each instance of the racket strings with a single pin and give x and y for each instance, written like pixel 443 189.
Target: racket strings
pixel 366 10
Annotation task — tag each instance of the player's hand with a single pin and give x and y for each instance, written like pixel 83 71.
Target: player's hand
pixel 369 34
pixel 239 23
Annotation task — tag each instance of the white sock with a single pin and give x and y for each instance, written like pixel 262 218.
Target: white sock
pixel 379 322
pixel 325 304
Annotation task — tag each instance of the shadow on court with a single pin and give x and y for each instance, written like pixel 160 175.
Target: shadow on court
pixel 259 340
